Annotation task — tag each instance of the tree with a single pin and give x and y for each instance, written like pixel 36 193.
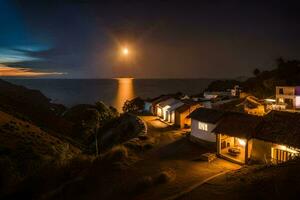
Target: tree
pixel 256 72
pixel 134 106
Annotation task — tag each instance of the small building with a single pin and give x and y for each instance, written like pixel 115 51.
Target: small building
pixel 288 97
pixel 236 91
pixel 170 111
pixel 181 114
pixel 278 139
pixel 253 106
pixel 273 138
pixel 163 106
pixel 234 133
pixel 203 122
pixel 150 104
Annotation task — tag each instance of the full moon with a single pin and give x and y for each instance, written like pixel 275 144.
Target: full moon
pixel 125 51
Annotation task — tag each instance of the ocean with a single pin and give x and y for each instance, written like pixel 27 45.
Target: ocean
pixel 113 92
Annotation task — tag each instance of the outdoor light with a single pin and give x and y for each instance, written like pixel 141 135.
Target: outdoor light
pixel 242 142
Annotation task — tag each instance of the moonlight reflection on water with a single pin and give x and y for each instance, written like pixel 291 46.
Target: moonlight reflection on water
pixel 125 92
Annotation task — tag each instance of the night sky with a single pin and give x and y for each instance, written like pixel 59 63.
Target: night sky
pixel 166 39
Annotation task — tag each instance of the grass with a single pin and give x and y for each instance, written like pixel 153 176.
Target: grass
pixel 140 143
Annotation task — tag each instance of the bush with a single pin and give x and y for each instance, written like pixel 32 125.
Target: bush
pixel 135 105
pixel 144 183
pixel 165 176
pixel 117 153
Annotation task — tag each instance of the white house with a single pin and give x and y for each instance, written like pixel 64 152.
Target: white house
pixel 204 120
pixel 170 113
pixel 150 104
pixel 163 106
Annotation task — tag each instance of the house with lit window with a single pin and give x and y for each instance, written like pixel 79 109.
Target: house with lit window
pixel 274 138
pixel 234 133
pixel 203 122
pixel 288 97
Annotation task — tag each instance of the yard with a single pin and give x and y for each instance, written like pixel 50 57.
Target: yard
pixel 175 153
pixel 168 170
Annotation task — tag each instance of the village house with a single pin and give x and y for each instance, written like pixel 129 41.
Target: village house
pixel 288 97
pixel 150 104
pixel 273 138
pixel 254 106
pixel 163 106
pixel 170 111
pixel 203 121
pixel 181 113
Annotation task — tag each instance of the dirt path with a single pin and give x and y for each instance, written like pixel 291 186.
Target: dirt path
pixel 174 152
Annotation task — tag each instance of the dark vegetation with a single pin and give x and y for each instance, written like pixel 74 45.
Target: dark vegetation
pixel 135 105
pixel 46 147
pixel 262 85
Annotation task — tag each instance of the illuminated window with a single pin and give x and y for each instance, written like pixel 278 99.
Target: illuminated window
pixel 280 100
pixel 202 126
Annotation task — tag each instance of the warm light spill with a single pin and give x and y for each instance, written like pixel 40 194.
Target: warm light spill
pixel 125 92
pixel 242 142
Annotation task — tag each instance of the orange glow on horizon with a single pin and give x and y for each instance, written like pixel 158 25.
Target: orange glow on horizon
pixel 23 72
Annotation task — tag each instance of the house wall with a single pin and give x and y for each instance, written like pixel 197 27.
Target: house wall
pixel 250 145
pixel 261 150
pixel 297 102
pixel 181 118
pixel 201 134
pixel 159 111
pixel 289 93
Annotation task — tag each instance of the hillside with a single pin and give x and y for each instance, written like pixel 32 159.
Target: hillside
pixel 24 148
pixel 33 106
pixel 262 84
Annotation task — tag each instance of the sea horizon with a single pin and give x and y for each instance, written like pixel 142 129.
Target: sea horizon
pixel 112 91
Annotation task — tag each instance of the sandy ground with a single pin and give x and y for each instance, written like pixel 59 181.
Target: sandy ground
pixel 174 152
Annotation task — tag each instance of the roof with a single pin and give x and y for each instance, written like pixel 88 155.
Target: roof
pixel 166 102
pixel 159 99
pixel 187 106
pixel 238 125
pixel 281 127
pixel 176 105
pixel 207 115
pixel 183 108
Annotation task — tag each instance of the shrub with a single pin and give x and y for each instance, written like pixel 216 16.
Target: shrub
pixel 143 137
pixel 134 106
pixel 134 144
pixel 165 176
pixel 144 183
pixel 117 153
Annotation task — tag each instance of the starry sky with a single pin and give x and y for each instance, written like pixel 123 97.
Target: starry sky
pixel 166 39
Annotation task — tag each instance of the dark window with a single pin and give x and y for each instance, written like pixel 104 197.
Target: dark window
pixel 280 90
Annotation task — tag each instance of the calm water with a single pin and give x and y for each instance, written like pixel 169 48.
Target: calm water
pixel 111 91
